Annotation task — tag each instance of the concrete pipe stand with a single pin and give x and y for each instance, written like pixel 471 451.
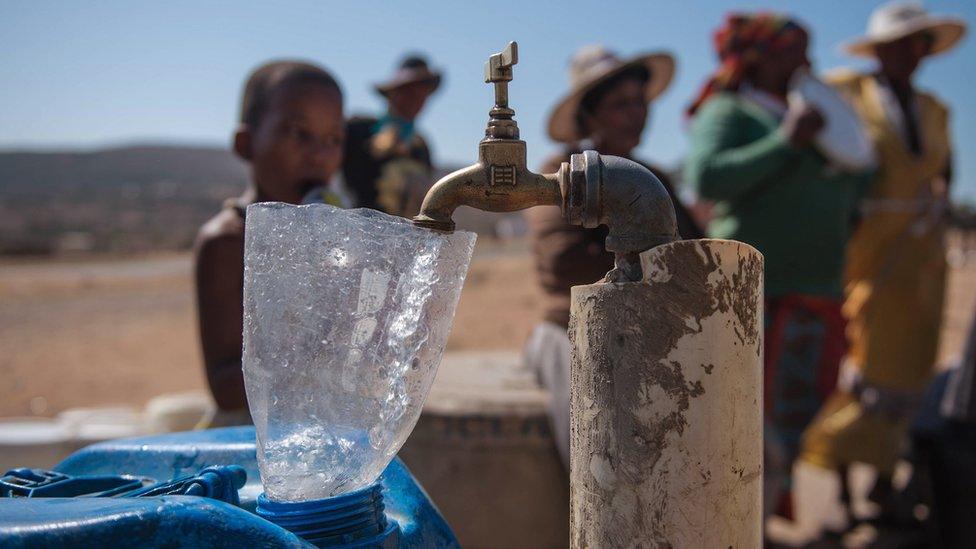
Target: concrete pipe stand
pixel 666 391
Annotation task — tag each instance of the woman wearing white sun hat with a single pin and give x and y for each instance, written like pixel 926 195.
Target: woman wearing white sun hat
pixel 895 276
pixel 605 110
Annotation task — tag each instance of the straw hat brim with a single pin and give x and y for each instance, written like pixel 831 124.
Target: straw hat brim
pixel 433 78
pixel 562 119
pixel 947 33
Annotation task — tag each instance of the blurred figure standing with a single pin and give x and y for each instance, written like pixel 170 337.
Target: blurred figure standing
pixel 606 110
pixel 387 162
pixel 896 260
pixel 943 451
pixel 752 155
pixel 290 135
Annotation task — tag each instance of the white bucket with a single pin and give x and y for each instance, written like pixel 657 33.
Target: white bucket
pixel 179 411
pixel 33 442
pixel 91 425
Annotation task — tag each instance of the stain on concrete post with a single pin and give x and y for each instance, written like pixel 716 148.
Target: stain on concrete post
pixel 666 392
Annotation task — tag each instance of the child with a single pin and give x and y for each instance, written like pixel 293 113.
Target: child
pixel 291 134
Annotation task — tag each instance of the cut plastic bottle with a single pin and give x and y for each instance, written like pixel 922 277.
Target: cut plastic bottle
pixel 346 314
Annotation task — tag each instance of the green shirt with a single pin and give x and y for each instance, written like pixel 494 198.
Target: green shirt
pixel 788 203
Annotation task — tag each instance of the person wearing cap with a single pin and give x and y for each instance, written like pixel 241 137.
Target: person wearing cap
pixel 752 154
pixel 605 110
pixel 387 162
pixel 896 268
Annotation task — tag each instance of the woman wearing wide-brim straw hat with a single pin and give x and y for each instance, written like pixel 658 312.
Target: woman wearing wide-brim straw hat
pixel 896 269
pixel 892 22
pixel 605 110
pixel 594 66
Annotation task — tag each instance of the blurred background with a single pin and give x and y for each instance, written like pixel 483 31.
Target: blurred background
pixel 115 124
pixel 115 119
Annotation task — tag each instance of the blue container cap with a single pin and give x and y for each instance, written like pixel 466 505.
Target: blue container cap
pixel 355 519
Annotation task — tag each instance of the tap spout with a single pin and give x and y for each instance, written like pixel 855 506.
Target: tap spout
pixel 499 182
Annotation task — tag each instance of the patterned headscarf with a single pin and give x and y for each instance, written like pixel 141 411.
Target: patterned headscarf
pixel 741 42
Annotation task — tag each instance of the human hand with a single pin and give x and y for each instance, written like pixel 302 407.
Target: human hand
pixel 801 124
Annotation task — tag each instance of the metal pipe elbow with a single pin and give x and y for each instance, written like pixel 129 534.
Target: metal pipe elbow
pixel 627 198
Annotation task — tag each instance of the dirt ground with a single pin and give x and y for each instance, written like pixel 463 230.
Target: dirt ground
pixel 95 332
pixel 104 331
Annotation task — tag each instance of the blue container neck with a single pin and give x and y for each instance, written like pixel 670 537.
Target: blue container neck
pixel 353 519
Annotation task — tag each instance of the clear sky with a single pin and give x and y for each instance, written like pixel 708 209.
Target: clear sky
pixel 89 74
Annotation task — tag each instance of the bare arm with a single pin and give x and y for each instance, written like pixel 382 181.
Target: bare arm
pixel 220 311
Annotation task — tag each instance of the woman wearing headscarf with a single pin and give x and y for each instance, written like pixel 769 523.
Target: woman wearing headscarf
pixel 752 154
pixel 605 110
pixel 896 260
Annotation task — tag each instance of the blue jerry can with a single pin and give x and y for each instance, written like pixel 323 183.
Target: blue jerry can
pixel 102 496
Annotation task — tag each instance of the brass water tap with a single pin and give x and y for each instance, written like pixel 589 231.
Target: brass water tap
pixel 500 181
pixel 590 189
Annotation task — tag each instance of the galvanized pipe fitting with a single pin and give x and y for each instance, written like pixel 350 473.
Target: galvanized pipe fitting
pixel 627 198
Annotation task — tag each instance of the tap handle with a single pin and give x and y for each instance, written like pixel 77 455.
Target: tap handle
pixel 498 71
pixel 498 68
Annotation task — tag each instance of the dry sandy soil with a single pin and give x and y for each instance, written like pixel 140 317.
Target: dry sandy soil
pixel 119 331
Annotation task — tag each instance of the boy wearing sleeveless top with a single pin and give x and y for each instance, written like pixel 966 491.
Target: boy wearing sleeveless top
pixel 291 135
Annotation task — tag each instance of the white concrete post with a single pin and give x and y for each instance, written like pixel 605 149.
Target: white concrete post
pixel 666 392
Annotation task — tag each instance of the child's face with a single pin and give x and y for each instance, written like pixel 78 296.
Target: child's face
pixel 297 145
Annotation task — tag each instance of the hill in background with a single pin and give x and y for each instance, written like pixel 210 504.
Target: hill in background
pixel 137 199
pixel 126 199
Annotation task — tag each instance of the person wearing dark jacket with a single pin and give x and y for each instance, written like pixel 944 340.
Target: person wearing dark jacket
pixel 606 111
pixel 387 162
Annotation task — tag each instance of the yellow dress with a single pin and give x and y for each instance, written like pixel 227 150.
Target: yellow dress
pixel 895 281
